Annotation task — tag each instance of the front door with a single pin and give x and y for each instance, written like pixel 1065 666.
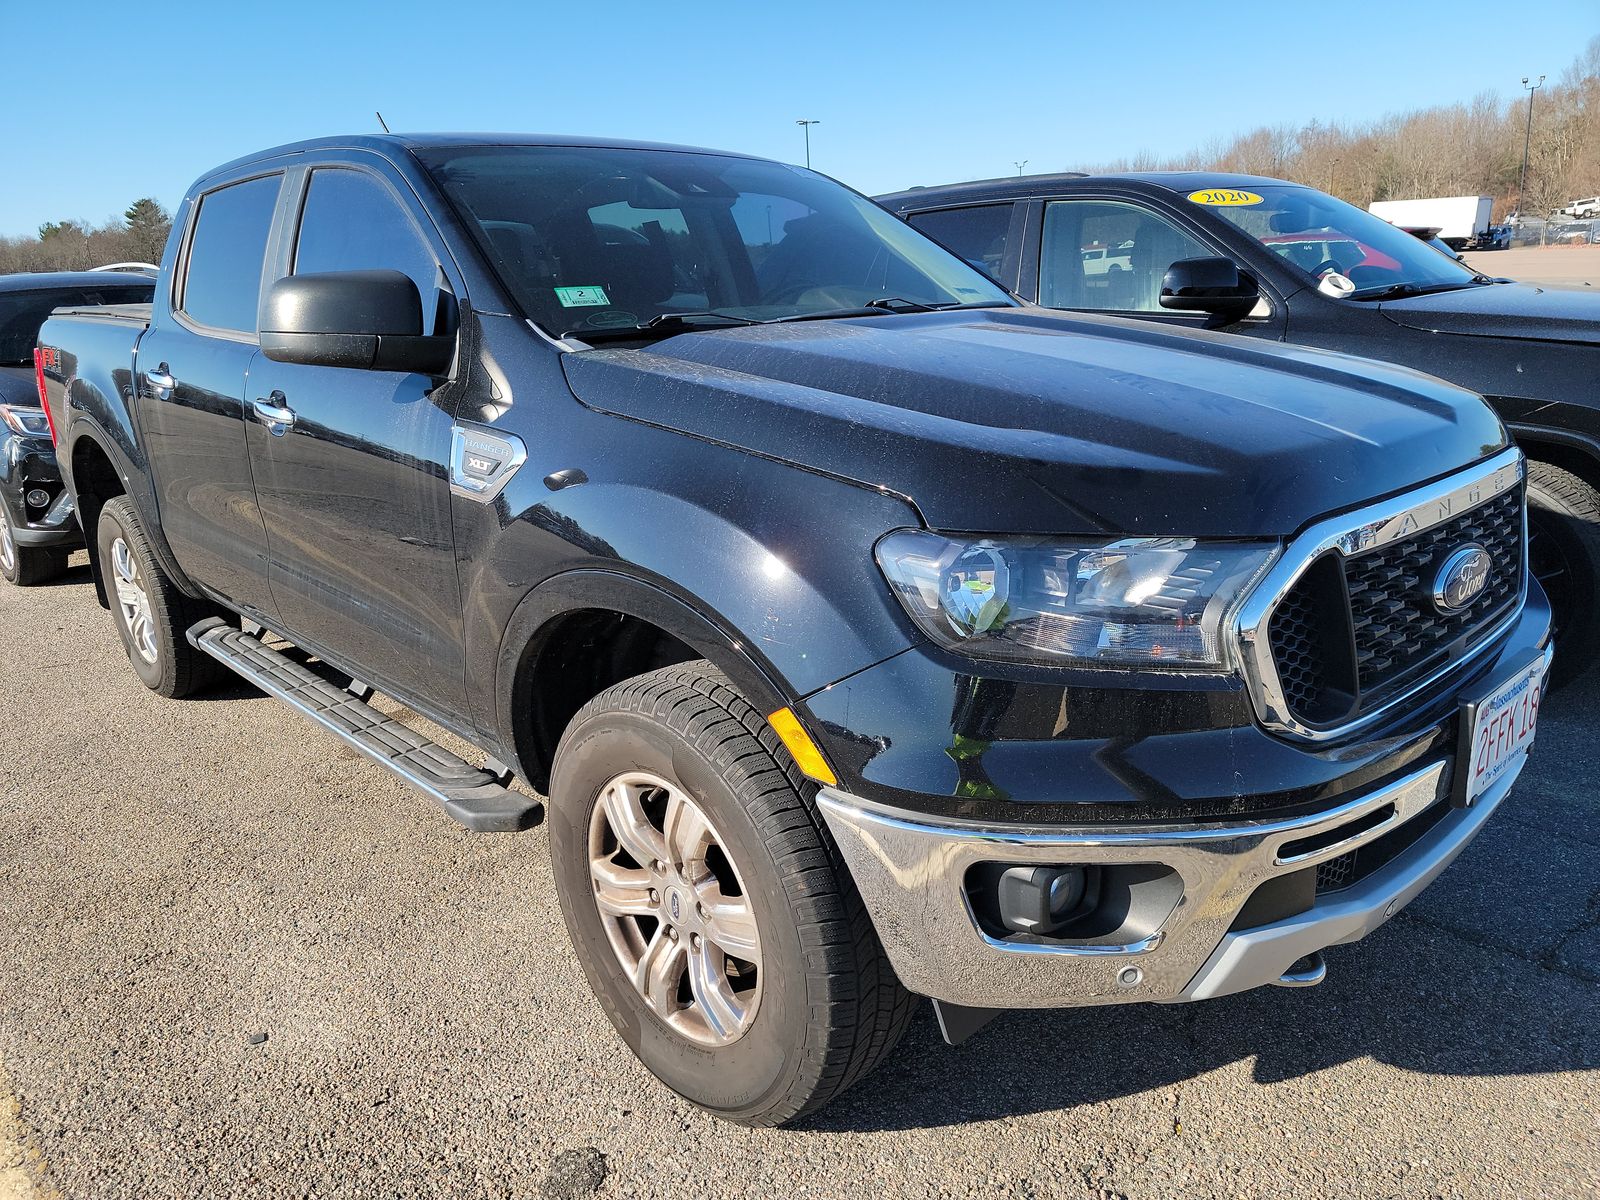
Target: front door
pixel 352 470
pixel 1109 256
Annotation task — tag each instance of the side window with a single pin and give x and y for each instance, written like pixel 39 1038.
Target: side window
pixel 222 282
pixel 977 234
pixel 1106 256
pixel 352 222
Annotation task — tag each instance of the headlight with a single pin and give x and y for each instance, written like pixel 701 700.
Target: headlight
pixel 29 422
pixel 1134 602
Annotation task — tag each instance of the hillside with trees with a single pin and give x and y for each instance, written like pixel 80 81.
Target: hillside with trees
pixel 1470 149
pixel 76 245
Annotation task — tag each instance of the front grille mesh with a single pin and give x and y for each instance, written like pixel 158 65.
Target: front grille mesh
pixel 1346 637
pixel 1396 626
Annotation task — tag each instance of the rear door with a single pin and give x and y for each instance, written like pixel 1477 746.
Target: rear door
pixel 192 366
pixel 981 234
pixel 355 490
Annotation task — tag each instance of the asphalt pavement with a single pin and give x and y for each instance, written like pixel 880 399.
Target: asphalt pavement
pixel 238 960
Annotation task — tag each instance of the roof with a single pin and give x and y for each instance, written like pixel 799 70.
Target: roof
pixel 393 143
pixel 1029 186
pixel 39 280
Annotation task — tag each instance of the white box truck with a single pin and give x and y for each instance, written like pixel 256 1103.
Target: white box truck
pixel 1462 221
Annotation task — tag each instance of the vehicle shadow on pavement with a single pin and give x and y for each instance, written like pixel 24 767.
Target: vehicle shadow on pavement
pixel 1495 970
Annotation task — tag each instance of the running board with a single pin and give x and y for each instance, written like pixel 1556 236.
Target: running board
pixel 472 795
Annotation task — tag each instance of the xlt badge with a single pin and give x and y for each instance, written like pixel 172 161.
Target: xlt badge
pixel 482 461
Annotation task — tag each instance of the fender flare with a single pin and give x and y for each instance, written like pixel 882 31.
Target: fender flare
pixel 1530 436
pixel 692 623
pixel 135 485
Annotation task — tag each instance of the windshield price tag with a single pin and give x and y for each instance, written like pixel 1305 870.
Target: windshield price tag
pixel 581 297
pixel 1223 197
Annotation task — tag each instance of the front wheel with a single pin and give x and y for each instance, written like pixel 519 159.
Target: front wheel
pixel 712 915
pixel 1564 556
pixel 26 566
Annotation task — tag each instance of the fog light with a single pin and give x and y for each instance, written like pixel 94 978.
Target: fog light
pixel 37 497
pixel 1040 899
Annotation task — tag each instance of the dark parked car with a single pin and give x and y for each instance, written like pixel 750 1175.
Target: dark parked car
pixel 37 527
pixel 870 634
pixel 1274 260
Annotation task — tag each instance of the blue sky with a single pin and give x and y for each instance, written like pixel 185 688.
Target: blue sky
pixel 907 93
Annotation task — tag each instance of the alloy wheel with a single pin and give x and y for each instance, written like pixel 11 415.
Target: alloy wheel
pixel 133 600
pixel 674 908
pixel 8 546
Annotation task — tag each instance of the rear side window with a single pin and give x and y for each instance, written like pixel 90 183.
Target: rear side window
pixel 352 222
pixel 222 284
pixel 977 234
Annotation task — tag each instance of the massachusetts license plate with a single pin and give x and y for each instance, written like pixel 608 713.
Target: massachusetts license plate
pixel 1502 725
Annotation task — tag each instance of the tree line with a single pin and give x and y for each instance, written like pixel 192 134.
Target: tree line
pixel 139 236
pixel 1470 149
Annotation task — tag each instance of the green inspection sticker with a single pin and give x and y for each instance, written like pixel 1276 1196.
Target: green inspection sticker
pixel 581 297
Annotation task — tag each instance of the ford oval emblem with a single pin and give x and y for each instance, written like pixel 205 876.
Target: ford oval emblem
pixel 1461 579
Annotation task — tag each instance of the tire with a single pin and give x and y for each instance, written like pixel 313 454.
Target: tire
pixel 1564 555
pixel 151 614
pixel 825 1007
pixel 27 566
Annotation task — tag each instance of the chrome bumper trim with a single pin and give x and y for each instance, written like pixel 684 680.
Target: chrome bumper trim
pixel 910 873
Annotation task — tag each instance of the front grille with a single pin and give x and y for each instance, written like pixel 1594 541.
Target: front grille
pixel 1353 631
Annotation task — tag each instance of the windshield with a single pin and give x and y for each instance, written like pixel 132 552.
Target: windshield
pixel 1323 236
pixel 21 313
pixel 594 239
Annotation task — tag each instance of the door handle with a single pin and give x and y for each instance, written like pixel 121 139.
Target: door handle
pixel 161 381
pixel 274 412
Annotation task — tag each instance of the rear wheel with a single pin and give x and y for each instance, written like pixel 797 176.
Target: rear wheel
pixel 1564 556
pixel 714 919
pixel 150 612
pixel 26 565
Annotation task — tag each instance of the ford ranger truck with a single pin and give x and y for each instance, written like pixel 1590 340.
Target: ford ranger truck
pixel 871 635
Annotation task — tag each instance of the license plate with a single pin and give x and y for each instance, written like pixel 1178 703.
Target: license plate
pixel 1502 725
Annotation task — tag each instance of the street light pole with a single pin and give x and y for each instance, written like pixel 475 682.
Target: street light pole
pixel 1019 165
pixel 806 125
pixel 1527 135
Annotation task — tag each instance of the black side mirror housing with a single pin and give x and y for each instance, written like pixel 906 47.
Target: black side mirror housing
pixel 368 320
pixel 1209 285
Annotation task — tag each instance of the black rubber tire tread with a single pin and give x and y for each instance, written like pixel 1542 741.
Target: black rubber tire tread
pixel 859 1009
pixel 1559 492
pixel 35 566
pixel 183 670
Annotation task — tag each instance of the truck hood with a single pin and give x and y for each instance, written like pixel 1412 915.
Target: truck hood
pixel 1012 420
pixel 19 386
pixel 1536 312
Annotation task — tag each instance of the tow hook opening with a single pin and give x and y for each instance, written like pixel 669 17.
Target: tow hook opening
pixel 1072 903
pixel 1305 972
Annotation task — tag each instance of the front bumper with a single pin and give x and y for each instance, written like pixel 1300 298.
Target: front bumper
pixel 910 870
pixel 27 463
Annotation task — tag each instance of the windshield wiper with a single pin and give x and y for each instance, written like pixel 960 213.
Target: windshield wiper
pixel 883 304
pixel 664 325
pixel 1395 291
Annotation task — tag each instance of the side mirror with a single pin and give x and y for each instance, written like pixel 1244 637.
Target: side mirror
pixel 1209 285
pixel 361 319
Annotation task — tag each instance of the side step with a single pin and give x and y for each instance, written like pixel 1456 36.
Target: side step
pixel 472 795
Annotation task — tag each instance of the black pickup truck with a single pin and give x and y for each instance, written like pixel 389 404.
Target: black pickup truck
pixel 37 527
pixel 1271 259
pixel 870 634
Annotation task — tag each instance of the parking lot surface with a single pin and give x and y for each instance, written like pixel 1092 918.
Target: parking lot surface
pixel 237 960
pixel 1541 264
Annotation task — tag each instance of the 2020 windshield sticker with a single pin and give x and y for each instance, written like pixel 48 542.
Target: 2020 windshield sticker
pixel 581 297
pixel 1224 197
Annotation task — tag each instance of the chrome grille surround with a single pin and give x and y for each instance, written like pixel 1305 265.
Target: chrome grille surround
pixel 1351 534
